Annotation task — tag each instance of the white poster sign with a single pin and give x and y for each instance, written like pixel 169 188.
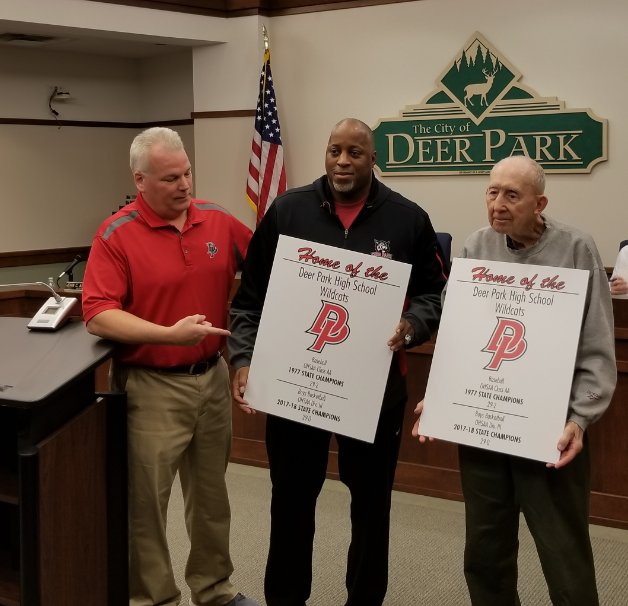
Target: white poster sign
pixel 321 355
pixel 504 358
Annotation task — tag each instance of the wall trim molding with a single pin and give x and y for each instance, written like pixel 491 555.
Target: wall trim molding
pixel 230 113
pixel 94 124
pixel 177 7
pixel 322 7
pixel 244 8
pixel 20 258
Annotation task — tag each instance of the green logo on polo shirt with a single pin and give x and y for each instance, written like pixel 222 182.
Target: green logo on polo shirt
pixel 481 113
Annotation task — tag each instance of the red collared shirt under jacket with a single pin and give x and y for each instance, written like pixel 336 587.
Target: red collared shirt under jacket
pixel 141 264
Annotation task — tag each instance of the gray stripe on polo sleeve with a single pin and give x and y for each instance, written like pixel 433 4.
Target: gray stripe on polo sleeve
pixel 210 206
pixel 118 222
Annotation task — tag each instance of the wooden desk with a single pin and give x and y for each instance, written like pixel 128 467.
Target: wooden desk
pixel 63 486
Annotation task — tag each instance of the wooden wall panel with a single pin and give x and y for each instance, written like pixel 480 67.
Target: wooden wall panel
pixel 95 123
pixel 432 469
pixel 9 583
pixel 73 494
pixel 243 8
pixel 609 447
pixel 42 257
pixel 102 377
pixel 25 302
pixel 233 113
pixel 209 8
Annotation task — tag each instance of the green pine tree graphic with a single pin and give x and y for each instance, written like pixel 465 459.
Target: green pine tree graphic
pixel 477 78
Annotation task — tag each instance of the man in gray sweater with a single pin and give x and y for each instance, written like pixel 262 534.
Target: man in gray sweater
pixel 496 487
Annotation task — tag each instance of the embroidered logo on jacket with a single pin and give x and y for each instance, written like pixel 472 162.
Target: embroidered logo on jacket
pixel 211 249
pixel 382 249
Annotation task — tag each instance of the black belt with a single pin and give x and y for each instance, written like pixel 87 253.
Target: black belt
pixel 200 368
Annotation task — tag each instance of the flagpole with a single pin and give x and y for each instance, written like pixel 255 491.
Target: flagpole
pixel 266 61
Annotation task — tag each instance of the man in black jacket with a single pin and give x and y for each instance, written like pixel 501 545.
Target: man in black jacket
pixel 346 208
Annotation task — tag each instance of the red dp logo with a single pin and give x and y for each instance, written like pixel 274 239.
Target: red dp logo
pixel 330 326
pixel 507 342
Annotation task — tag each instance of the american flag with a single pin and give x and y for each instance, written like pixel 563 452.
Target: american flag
pixel 267 174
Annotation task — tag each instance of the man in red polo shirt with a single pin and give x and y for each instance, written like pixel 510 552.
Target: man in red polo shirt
pixel 158 278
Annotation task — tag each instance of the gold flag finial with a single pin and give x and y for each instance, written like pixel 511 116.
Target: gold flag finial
pixel 265 34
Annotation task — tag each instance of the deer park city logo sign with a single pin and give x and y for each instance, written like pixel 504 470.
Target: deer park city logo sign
pixel 479 114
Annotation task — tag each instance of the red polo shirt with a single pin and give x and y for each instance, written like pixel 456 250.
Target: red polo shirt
pixel 141 264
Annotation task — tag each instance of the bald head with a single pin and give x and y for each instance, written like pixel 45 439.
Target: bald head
pixel 530 171
pixel 356 126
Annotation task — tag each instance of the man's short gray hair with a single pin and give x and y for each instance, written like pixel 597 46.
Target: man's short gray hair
pixel 536 171
pixel 140 148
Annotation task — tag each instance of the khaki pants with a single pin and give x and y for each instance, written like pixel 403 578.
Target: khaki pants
pixel 178 422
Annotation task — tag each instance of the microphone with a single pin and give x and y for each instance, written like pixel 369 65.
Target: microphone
pixel 71 266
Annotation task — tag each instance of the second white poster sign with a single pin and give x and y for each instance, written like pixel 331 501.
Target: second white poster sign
pixel 504 358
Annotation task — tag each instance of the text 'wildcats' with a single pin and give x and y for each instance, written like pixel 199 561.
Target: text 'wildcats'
pixel 480 114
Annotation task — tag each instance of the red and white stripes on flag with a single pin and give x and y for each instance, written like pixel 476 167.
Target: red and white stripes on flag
pixel 267 173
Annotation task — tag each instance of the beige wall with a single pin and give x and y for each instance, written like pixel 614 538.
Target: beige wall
pixel 166 87
pixel 103 88
pixel 61 183
pixel 101 19
pixel 226 75
pixel 371 62
pixel 223 150
pixel 368 62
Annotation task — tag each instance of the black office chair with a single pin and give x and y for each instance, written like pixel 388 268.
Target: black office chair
pixel 621 244
pixel 444 239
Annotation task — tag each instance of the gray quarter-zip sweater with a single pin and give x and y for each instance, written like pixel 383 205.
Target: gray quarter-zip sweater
pixel 595 372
